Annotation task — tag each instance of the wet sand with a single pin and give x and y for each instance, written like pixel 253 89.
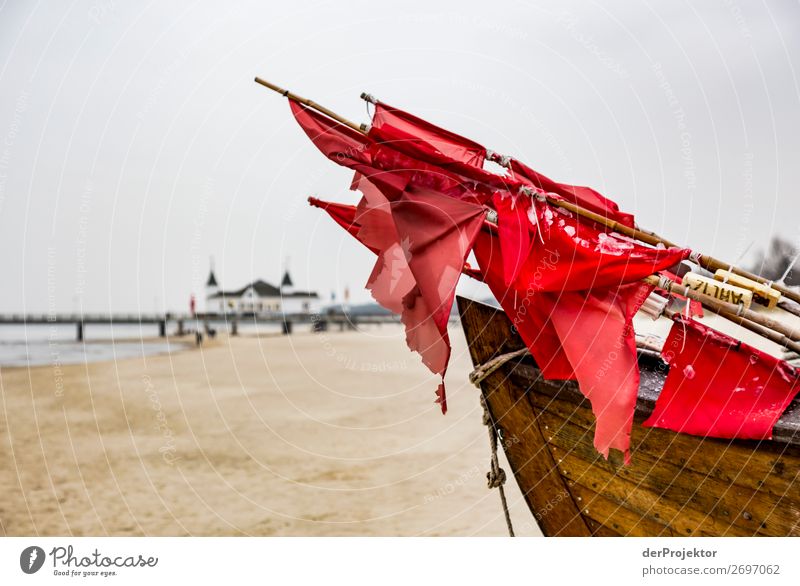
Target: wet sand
pixel 310 434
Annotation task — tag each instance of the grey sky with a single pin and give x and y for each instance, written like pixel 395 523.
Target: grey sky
pixel 134 143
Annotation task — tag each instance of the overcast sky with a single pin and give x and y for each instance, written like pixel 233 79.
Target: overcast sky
pixel 134 143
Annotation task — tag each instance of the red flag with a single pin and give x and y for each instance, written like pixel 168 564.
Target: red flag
pixel 586 256
pixel 720 387
pixel 424 239
pixel 388 168
pixel 529 316
pixel 343 214
pixel 423 140
pixel 597 335
pixel 585 197
pixel 573 302
pixel 421 220
pixel 514 232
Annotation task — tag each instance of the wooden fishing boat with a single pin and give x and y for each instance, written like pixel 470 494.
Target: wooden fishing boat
pixel 676 485
pixel 529 233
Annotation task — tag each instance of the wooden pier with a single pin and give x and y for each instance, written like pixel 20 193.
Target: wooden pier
pixel 184 324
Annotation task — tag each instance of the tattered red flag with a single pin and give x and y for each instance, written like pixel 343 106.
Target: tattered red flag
pixel 588 256
pixel 391 170
pixel 585 197
pixel 573 304
pixel 514 232
pixel 427 142
pixel 342 214
pixel 571 296
pixel 424 239
pixel 596 333
pixel 423 140
pixel 720 387
pixel 415 275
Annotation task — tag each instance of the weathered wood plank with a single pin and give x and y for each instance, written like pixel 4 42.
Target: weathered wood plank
pixel 684 521
pixel 752 510
pixel 615 516
pixel 600 530
pixel 767 466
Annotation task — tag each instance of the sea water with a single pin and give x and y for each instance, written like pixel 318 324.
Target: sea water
pixel 48 344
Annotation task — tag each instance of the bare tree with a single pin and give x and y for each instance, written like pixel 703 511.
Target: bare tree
pixel 774 262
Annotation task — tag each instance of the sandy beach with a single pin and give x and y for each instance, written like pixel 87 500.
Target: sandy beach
pixel 310 434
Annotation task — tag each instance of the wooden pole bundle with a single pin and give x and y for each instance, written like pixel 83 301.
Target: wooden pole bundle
pixel 755 322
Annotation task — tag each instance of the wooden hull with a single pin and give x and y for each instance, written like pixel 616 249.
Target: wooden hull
pixel 677 484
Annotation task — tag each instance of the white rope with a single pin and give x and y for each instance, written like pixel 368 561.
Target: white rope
pixel 477 376
pixel 502 160
pixel 496 477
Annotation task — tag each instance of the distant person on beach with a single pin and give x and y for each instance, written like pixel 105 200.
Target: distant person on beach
pixel 198 338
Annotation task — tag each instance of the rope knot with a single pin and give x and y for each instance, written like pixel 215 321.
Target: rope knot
pixel 496 477
pixel 477 376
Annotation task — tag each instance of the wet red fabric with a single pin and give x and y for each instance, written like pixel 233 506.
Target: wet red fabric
pixel 422 222
pixel 569 287
pixel 391 170
pixel 514 232
pixel 423 140
pixel 596 334
pixel 573 302
pixel 342 214
pixel 583 255
pixel 720 387
pixel 424 239
pixel 528 309
pixel 586 197
pixel 578 335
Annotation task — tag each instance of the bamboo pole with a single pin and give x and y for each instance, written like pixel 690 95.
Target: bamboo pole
pixel 312 104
